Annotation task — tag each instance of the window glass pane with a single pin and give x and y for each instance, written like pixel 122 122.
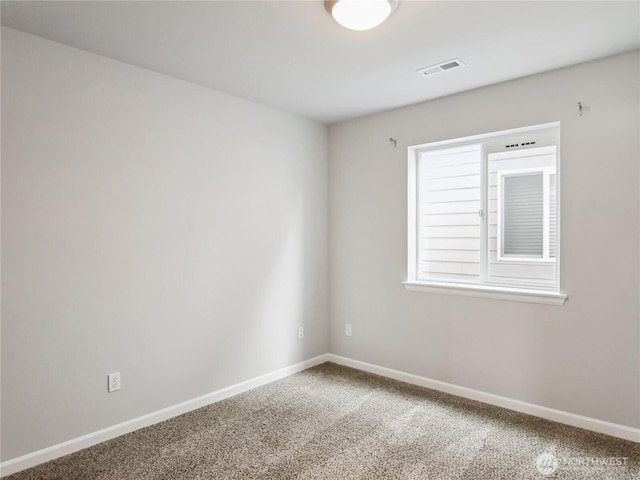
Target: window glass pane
pixel 552 215
pixel 483 209
pixel 448 243
pixel 521 239
pixel 523 215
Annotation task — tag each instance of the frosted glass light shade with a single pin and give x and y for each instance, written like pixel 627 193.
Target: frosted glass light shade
pixel 360 14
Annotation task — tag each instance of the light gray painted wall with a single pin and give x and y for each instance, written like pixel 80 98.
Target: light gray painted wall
pixel 582 357
pixel 152 227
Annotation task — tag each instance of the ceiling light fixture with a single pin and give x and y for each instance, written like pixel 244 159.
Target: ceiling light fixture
pixel 360 14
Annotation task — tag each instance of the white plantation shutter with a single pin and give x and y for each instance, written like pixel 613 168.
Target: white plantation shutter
pixel 523 207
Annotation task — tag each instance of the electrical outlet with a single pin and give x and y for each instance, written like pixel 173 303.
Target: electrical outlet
pixel 300 333
pixel 114 382
pixel 347 329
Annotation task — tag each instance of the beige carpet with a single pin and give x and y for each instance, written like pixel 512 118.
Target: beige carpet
pixel 332 422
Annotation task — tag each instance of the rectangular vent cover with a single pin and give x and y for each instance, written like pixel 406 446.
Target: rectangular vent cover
pixel 441 67
pixel 523 144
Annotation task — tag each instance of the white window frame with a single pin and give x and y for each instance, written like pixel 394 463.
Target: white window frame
pixel 546 173
pixel 546 134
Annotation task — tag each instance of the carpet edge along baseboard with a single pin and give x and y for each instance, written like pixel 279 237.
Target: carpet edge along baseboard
pixel 73 445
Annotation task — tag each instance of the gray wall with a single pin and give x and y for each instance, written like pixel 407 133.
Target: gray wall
pixel 152 227
pixel 582 357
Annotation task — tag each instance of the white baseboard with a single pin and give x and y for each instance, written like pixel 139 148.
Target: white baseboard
pixel 56 451
pixel 593 424
pixel 65 448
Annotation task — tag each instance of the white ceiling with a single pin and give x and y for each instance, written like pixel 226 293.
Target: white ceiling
pixel 291 54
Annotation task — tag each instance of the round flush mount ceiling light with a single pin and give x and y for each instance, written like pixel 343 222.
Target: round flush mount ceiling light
pixel 360 14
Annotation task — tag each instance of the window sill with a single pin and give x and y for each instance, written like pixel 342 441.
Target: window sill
pixel 485 291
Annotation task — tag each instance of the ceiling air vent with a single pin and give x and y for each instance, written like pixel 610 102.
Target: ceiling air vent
pixel 441 67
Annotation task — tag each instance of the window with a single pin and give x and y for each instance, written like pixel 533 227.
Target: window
pixel 483 215
pixel 526 214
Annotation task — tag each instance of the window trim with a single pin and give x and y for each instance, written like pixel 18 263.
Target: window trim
pixel 528 295
pixel 546 134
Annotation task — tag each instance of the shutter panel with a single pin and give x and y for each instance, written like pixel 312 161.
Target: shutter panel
pixel 523 215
